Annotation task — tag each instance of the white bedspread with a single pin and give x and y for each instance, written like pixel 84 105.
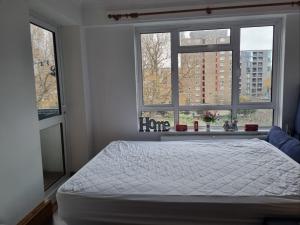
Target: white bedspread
pixel 223 171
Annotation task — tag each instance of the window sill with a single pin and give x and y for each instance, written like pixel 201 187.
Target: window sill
pixel 202 134
pixel 215 132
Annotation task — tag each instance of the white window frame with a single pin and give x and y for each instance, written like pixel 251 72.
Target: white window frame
pixel 234 46
pixel 61 118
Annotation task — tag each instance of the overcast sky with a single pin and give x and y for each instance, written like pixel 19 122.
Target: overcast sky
pixel 257 38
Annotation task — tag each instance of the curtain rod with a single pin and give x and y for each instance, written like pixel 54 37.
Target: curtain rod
pixel 208 10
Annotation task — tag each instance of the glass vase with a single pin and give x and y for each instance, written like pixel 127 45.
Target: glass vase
pixel 208 126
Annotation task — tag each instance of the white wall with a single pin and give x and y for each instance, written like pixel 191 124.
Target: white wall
pixel 95 13
pixel 113 86
pixel 77 99
pixel 62 12
pixel 291 70
pixel 21 178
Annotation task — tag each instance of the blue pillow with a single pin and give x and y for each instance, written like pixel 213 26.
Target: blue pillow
pixel 297 122
pixel 277 137
pixel 286 143
pixel 292 149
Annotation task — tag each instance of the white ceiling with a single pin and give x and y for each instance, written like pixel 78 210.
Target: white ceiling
pixel 144 4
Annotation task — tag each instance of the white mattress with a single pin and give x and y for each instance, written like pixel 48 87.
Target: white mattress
pixel 169 182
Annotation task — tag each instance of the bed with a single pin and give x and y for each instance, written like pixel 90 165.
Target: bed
pixel 183 182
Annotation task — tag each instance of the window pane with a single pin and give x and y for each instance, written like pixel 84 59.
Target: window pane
pixel 161 116
pixel 205 78
pixel 44 72
pixel 52 155
pixel 205 37
pixel 188 117
pixel 156 68
pixel 262 117
pixel 256 64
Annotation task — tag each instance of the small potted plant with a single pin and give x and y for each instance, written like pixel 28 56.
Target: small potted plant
pixel 208 118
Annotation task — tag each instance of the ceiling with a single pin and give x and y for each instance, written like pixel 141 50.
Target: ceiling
pixel 144 4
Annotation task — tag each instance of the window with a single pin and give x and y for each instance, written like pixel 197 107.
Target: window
pixel 48 103
pixel 161 115
pixel 156 68
pixel 186 79
pixel 188 117
pixel 184 73
pixel 45 72
pixel 205 37
pixel 261 116
pixel 249 43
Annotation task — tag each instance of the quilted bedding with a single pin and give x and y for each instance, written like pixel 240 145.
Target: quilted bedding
pixel 223 171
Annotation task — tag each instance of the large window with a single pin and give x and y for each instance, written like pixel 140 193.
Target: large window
pixel 224 69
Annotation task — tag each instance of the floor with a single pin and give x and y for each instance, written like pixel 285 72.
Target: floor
pixel 56 220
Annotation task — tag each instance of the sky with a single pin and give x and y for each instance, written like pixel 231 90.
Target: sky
pixel 257 38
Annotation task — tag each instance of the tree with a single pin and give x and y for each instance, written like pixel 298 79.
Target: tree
pixel 44 68
pixel 156 66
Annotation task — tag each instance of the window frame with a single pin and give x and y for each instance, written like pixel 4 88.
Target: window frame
pixel 43 23
pixel 62 117
pixel 233 46
pixel 53 31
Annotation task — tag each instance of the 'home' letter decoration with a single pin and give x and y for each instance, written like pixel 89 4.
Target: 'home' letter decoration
pixel 151 124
